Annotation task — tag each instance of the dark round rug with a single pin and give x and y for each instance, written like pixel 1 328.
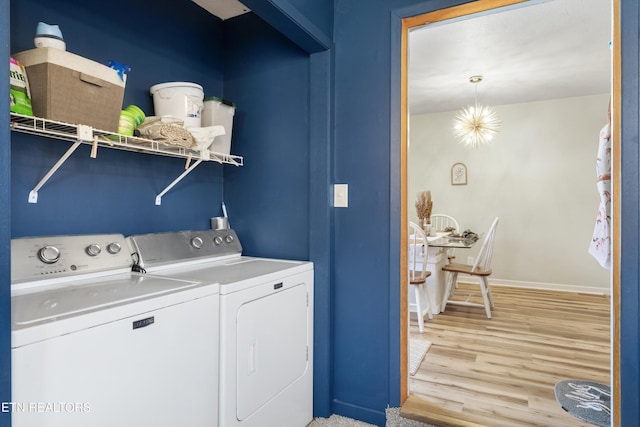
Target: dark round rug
pixel 586 400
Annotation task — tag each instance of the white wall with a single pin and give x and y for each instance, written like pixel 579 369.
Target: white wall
pixel 538 176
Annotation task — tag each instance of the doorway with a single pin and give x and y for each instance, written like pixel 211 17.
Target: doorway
pixel 457 13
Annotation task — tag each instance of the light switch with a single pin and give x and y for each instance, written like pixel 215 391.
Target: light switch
pixel 340 195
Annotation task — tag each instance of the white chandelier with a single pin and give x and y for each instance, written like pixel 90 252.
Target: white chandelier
pixel 476 125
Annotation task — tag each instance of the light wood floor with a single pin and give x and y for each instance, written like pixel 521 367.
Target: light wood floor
pixel 500 372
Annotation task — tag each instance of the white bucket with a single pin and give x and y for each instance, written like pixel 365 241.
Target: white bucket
pixel 181 100
pixel 217 112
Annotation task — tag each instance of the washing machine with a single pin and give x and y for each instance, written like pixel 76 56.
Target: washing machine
pixel 266 322
pixel 94 344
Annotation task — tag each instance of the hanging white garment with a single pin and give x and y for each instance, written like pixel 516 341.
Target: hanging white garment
pixel 600 247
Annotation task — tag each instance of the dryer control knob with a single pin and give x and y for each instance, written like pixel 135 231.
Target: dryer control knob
pixel 114 248
pixel 49 254
pixel 229 238
pixel 93 249
pixel 218 240
pixel 197 242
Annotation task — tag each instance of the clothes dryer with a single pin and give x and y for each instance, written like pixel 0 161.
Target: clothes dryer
pixel 266 322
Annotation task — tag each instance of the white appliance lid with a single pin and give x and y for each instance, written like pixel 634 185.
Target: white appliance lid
pixel 230 271
pixel 49 304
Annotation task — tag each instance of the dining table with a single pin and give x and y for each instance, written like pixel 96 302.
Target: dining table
pixel 446 240
pixel 438 243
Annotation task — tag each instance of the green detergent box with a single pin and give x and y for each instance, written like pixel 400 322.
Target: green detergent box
pixel 19 95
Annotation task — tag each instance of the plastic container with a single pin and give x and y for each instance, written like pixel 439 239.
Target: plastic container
pixel 181 100
pixel 218 112
pixel 46 30
pixel 49 36
pixel 127 123
pixel 49 42
pixel 137 112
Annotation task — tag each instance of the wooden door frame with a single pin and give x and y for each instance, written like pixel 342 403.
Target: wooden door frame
pixel 469 9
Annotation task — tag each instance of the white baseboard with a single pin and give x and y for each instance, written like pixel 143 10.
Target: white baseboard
pixel 541 285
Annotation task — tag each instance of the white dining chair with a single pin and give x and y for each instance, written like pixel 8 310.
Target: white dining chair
pixel 440 222
pixel 418 273
pixel 481 269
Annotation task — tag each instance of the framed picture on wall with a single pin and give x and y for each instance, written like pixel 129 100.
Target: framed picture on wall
pixel 458 174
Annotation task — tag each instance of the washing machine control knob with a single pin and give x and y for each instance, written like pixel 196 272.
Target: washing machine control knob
pixel 197 242
pixel 218 240
pixel 114 248
pixel 229 238
pixel 93 249
pixel 49 254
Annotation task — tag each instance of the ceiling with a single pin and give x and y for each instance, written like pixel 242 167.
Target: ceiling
pixel 542 49
pixel 223 9
pixel 546 49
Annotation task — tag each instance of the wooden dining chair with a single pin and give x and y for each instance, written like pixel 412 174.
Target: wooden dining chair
pixel 481 269
pixel 441 222
pixel 418 273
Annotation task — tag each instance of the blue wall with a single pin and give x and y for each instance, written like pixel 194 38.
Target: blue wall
pixel 267 77
pixel 293 23
pixel 320 13
pixel 362 325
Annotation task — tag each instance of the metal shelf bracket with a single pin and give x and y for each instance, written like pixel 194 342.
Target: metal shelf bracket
pixel 84 134
pixel 175 181
pixel 33 194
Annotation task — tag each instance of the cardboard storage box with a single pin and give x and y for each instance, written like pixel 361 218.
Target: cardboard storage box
pixel 72 89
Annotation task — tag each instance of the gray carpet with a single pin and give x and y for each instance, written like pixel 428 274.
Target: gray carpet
pixel 393 420
pixel 337 421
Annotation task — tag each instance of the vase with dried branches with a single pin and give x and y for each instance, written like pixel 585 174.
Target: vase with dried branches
pixel 423 207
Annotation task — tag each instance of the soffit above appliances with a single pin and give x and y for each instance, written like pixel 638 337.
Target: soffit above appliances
pixel 223 9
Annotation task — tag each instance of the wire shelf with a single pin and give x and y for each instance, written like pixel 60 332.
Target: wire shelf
pixel 102 138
